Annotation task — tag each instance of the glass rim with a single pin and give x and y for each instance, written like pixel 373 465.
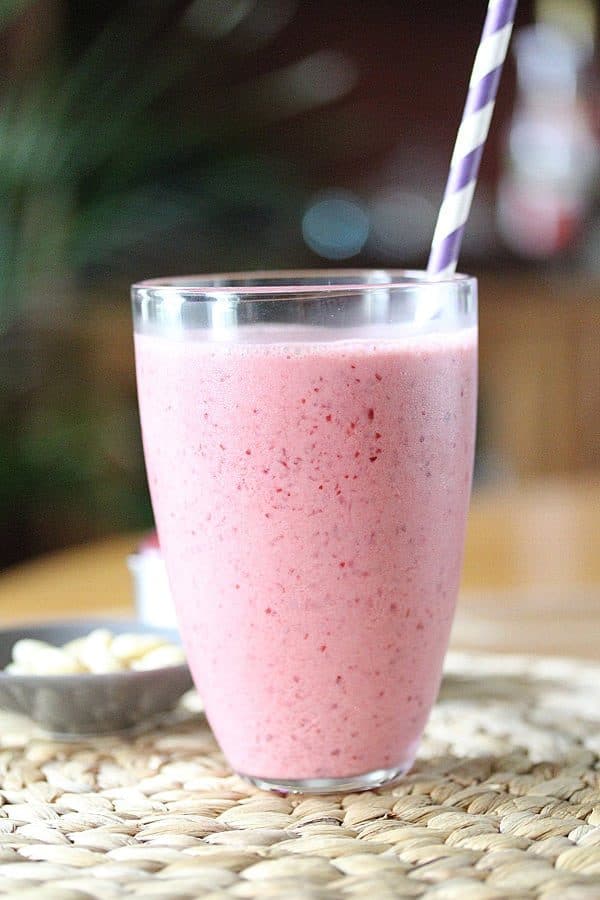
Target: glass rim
pixel 299 282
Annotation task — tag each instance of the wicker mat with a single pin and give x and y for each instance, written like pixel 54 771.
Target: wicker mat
pixel 504 802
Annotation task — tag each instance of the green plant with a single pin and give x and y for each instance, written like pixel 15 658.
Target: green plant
pixel 88 148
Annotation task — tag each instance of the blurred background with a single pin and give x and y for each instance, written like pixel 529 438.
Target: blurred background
pixel 144 139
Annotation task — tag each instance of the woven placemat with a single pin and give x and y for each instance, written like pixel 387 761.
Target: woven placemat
pixel 504 802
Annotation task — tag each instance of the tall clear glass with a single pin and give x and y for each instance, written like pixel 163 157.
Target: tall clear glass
pixel 309 441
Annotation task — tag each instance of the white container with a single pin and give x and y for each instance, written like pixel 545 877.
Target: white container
pixel 153 601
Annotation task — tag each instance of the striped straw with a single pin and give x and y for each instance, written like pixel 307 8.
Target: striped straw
pixel 471 137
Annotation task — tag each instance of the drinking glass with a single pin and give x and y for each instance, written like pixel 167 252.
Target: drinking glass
pixel 309 441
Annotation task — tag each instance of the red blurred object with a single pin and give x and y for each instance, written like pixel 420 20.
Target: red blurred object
pixel 150 542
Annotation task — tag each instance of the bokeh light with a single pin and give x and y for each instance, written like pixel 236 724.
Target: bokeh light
pixel 402 222
pixel 336 225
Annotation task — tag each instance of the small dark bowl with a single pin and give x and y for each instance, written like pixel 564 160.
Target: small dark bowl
pixel 87 704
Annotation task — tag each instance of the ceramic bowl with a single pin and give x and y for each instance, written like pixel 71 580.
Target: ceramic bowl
pixel 70 705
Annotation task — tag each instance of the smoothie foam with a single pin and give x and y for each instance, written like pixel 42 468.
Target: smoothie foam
pixel 311 500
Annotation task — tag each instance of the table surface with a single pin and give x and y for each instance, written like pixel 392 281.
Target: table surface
pixel 531 580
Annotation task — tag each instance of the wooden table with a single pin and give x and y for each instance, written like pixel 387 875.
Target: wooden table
pixel 531 578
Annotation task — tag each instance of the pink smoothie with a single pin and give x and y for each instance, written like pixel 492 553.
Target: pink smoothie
pixel 311 502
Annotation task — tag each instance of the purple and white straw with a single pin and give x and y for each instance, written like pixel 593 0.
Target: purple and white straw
pixel 471 138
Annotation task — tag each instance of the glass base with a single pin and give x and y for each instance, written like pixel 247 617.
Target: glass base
pixel 363 782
